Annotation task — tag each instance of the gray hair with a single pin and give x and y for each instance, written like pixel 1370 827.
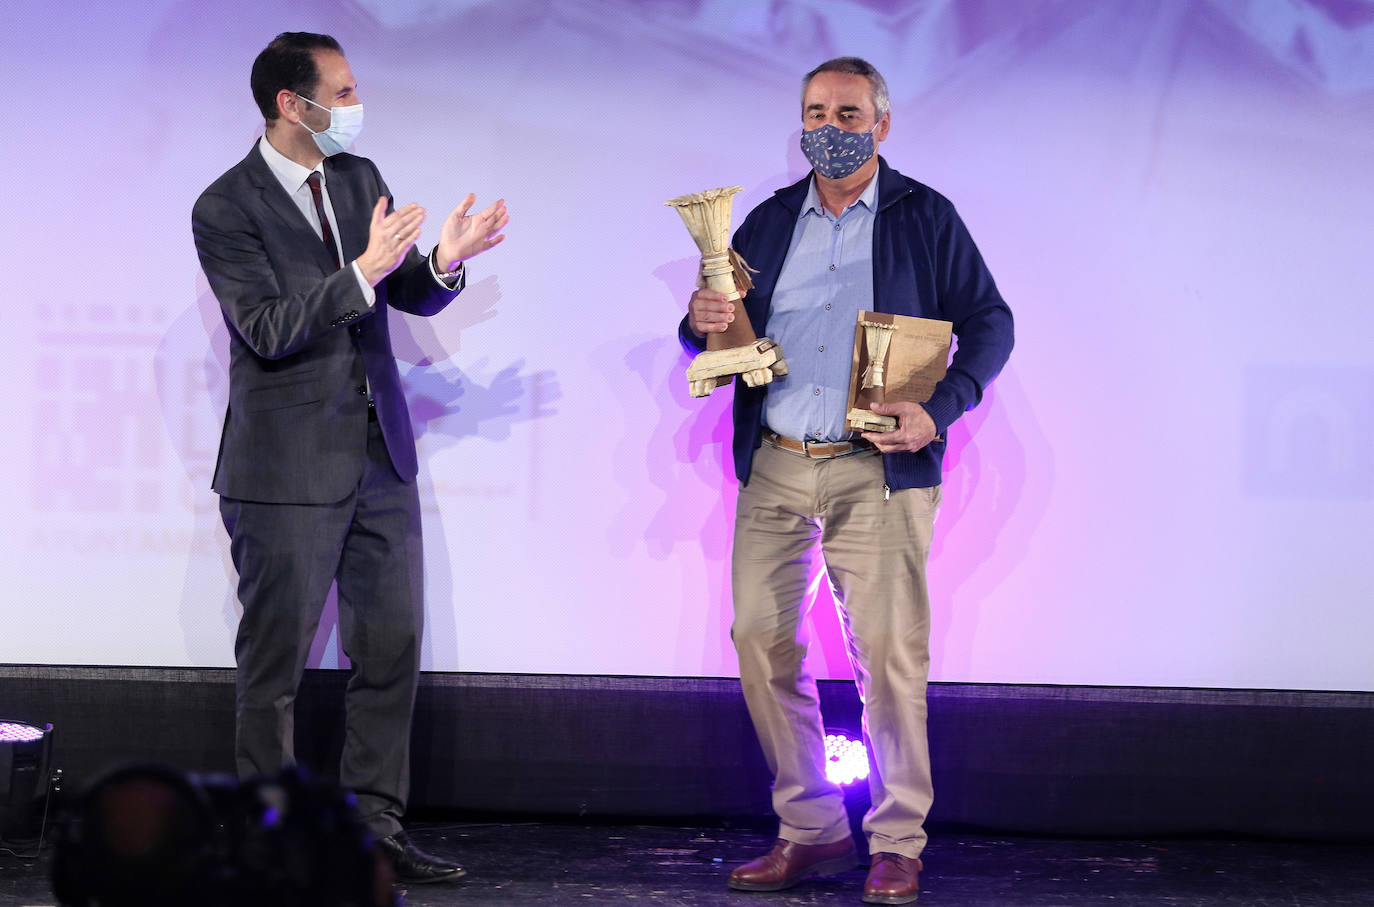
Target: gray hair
pixel 855 66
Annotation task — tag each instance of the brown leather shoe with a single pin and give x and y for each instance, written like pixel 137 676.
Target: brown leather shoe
pixel 788 863
pixel 892 879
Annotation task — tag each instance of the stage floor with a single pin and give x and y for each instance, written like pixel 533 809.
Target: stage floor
pixel 570 863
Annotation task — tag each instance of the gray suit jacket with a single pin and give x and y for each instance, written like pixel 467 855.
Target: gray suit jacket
pixel 302 345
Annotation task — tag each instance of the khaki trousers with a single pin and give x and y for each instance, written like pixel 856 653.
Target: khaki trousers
pixel 875 554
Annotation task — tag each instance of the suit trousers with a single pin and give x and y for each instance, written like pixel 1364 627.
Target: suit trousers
pixel 875 550
pixel 287 555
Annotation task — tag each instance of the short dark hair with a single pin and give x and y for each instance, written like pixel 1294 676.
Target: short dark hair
pixel 855 66
pixel 288 62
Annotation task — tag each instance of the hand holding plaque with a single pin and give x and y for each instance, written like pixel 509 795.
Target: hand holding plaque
pixel 896 358
pixel 737 351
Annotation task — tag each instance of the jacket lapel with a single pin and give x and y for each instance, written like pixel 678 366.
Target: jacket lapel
pixel 352 211
pixel 282 210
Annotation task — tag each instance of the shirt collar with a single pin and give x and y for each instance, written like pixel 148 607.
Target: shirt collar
pixel 867 198
pixel 290 174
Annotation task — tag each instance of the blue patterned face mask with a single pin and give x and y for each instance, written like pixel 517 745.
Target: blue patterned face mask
pixel 835 153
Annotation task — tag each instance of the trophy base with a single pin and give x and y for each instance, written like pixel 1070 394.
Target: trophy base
pixel 867 420
pixel 758 363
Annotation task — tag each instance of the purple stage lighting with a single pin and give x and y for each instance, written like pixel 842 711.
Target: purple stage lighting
pixel 24 753
pixel 13 732
pixel 846 760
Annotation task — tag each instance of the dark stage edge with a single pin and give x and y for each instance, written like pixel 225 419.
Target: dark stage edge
pixel 1042 760
pixel 579 863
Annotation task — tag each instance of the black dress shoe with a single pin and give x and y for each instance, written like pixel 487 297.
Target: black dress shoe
pixel 413 866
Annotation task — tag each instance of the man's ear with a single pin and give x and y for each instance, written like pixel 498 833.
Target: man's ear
pixel 288 106
pixel 884 125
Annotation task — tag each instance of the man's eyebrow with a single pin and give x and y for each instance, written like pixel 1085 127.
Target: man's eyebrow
pixel 815 106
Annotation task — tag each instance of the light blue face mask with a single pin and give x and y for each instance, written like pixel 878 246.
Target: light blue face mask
pixel 344 125
pixel 835 153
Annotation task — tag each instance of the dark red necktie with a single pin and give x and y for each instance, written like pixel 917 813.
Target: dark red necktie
pixel 313 180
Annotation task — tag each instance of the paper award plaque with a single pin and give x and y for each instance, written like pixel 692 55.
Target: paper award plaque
pixel 897 358
pixel 737 351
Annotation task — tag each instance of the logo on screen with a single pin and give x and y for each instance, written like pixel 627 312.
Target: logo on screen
pixel 1309 432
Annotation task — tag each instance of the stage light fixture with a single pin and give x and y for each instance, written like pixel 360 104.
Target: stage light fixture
pixel 846 758
pixel 24 754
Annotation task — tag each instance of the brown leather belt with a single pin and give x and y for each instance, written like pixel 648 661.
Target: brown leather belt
pixel 816 450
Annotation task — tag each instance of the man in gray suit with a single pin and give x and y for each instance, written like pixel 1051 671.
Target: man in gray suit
pixel 306 253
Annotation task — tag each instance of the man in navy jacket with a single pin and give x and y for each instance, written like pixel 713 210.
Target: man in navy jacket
pixel 854 235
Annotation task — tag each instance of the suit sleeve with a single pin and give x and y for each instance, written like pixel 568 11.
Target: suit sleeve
pixel 244 279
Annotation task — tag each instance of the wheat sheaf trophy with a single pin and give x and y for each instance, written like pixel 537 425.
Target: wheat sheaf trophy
pixel 737 351
pixel 896 358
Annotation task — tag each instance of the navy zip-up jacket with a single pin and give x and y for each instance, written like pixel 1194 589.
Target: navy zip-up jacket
pixel 924 264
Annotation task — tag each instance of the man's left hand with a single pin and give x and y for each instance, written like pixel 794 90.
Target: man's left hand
pixel 915 429
pixel 465 235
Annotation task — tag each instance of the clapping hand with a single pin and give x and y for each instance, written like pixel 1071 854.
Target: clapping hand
pixel 389 238
pixel 465 235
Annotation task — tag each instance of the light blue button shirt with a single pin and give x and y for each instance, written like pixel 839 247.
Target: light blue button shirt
pixel 826 280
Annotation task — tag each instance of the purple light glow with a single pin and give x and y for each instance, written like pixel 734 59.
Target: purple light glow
pixel 846 760
pixel 12 732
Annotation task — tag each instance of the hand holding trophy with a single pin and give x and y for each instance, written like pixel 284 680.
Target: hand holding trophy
pixel 897 358
pixel 736 351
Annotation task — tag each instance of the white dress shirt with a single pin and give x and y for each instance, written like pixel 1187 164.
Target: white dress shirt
pixel 292 177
